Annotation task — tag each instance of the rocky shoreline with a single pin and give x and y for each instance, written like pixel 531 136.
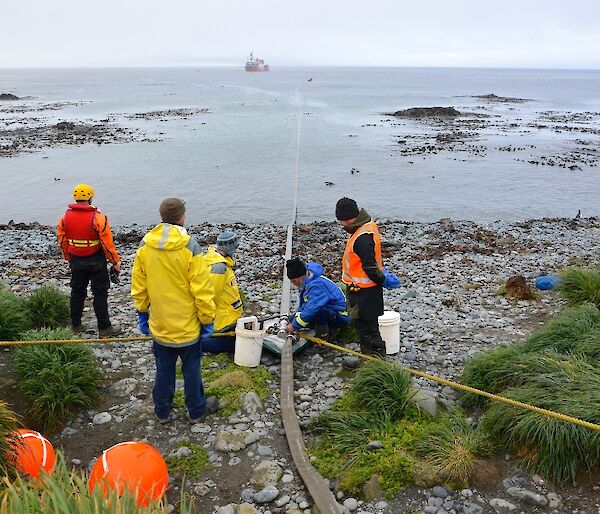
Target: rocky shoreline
pixel 450 272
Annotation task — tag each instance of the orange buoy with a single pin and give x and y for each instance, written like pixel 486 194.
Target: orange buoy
pixel 34 453
pixel 132 465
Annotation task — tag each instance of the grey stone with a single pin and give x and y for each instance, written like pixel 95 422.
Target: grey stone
pixel 101 418
pixel 182 451
pixel 247 508
pixel 282 500
pixel 287 478
pixel 425 400
pixel 228 509
pixel 439 492
pixel 248 495
pixel 264 451
pixel 251 402
pixel 430 509
pixel 502 506
pixel 527 497
pixel 351 362
pixel 351 504
pixel 472 508
pixel 68 431
pixel 266 494
pixel 374 445
pixel 381 505
pixel 228 442
pixel 267 473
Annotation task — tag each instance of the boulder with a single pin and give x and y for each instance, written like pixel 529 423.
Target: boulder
pixel 267 473
pixel 427 112
pixel 8 96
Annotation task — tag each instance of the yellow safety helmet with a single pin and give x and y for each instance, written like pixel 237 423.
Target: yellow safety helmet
pixel 83 192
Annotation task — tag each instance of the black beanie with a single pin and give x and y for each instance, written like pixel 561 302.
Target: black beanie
pixel 346 209
pixel 295 268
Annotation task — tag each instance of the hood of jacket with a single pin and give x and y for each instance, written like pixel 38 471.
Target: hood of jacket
pixel 315 269
pixel 362 218
pixel 167 237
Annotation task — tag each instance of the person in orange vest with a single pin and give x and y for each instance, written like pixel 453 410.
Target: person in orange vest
pixel 86 242
pixel 364 274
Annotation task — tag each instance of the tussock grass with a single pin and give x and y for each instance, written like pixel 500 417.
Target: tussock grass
pixel 14 316
pixel 48 307
pixel 346 430
pixel 383 390
pixel 580 285
pixel 66 492
pixel 564 331
pixel 452 447
pixel 8 441
pixel 56 381
pixel 555 449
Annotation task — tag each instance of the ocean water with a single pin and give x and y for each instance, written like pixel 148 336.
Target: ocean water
pixel 237 162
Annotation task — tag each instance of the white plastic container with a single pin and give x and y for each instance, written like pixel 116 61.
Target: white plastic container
pixel 389 328
pixel 248 342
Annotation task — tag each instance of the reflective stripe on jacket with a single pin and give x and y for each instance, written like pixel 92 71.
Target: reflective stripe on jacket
pixel 227 294
pixel 171 279
pixel 352 270
pixel 83 230
pixel 317 293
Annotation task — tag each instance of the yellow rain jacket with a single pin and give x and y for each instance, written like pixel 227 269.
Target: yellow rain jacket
pixel 171 279
pixel 227 294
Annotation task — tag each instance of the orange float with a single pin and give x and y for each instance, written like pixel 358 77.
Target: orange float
pixel 132 465
pixel 34 453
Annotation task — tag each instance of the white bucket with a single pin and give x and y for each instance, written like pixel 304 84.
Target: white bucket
pixel 389 328
pixel 248 342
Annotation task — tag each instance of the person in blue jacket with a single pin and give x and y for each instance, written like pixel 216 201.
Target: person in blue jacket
pixel 322 303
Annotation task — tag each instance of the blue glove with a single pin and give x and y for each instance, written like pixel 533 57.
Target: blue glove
pixel 391 281
pixel 207 331
pixel 143 318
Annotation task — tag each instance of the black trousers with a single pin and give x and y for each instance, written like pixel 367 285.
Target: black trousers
pixel 370 337
pixel 83 271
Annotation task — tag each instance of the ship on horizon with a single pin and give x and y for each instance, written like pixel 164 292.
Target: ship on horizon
pixel 256 64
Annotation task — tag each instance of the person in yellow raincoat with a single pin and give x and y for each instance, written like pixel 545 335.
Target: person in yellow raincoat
pixel 174 297
pixel 228 301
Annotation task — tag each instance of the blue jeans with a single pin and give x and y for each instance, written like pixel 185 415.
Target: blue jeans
pixel 225 344
pixel 164 383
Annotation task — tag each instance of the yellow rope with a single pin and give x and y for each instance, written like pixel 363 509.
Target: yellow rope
pixel 462 387
pixel 96 340
pixel 455 385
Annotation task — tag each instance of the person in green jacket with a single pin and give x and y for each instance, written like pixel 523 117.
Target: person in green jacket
pixel 228 301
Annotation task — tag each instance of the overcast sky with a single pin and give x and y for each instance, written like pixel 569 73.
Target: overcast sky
pixel 502 33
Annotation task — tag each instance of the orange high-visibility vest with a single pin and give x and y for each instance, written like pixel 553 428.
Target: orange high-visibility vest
pixel 352 270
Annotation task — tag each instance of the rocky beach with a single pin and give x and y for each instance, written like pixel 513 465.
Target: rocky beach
pixel 451 272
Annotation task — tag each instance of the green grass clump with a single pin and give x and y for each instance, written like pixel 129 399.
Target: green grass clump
pixel 191 466
pixel 580 285
pixel 8 440
pixel 66 492
pixel 57 381
pixel 355 466
pixel 382 389
pixel 229 396
pixel 14 316
pixel 555 449
pixel 562 332
pixel 452 447
pixel 48 307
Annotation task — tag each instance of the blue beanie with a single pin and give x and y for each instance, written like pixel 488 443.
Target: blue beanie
pixel 227 242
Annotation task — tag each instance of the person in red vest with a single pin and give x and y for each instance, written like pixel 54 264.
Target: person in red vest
pixel 364 274
pixel 86 242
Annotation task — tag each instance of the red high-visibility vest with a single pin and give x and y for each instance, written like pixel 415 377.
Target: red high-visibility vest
pixel 81 234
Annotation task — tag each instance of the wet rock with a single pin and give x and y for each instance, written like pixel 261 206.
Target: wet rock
pixel 266 494
pixel 502 506
pixel 427 112
pixel 372 489
pixel 266 473
pixel 527 497
pixel 251 402
pixel 351 504
pixel 228 442
pixel 8 96
pixel 101 418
